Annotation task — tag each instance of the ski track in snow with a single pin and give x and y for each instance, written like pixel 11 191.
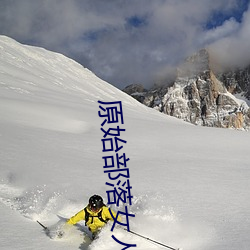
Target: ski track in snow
pixel 38 204
pixel 32 204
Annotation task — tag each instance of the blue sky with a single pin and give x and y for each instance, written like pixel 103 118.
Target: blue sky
pixel 131 41
pixel 218 17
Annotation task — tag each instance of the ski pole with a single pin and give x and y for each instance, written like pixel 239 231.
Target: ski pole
pixel 159 243
pixel 45 228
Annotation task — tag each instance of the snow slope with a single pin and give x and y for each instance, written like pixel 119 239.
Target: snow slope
pixel 191 185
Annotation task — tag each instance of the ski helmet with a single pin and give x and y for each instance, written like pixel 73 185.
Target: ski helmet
pixel 95 202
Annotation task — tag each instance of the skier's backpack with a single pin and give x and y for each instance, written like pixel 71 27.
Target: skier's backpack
pixel 87 217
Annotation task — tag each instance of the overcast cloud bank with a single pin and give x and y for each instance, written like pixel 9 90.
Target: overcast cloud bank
pixel 134 41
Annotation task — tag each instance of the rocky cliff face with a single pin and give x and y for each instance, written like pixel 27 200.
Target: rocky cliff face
pixel 199 96
pixel 237 81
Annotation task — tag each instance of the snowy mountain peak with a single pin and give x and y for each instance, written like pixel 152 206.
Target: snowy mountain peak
pixel 197 64
pixel 200 96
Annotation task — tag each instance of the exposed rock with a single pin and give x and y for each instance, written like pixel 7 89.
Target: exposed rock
pixel 237 81
pixel 137 91
pixel 201 97
pixel 133 88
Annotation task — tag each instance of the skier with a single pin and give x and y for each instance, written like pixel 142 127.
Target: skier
pixel 95 214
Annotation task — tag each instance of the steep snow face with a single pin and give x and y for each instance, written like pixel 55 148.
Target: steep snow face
pixel 38 74
pixel 190 184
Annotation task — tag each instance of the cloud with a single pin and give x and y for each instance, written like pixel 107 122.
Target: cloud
pixel 233 49
pixel 228 28
pixel 124 42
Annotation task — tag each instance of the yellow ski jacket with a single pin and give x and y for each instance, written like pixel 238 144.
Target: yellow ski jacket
pixel 93 223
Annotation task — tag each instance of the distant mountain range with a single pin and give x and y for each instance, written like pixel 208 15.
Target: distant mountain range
pixel 201 94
